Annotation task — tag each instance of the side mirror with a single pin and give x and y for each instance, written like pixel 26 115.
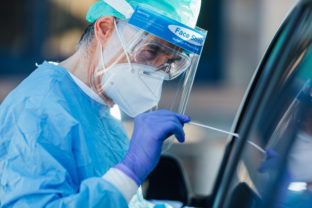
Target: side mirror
pixel 166 182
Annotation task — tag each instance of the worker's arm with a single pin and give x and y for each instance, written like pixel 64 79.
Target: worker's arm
pixel 40 169
pixel 34 178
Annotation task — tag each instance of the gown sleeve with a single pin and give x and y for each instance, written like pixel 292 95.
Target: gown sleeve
pixel 37 164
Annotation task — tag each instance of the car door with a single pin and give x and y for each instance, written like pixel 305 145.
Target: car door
pixel 257 169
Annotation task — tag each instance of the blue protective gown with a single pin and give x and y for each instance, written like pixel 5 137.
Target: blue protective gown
pixel 56 143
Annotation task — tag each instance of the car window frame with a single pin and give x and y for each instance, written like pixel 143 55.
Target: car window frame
pixel 259 86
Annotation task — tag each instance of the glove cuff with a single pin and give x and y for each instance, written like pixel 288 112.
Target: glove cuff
pixel 122 167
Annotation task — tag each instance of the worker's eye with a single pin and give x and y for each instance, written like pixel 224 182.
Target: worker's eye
pixel 147 54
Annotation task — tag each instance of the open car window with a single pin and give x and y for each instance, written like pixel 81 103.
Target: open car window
pixel 270 160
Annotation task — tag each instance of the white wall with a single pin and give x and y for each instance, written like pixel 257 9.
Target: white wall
pixel 273 13
pixel 249 27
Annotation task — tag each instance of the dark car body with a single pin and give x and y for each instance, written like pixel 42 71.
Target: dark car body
pixel 276 109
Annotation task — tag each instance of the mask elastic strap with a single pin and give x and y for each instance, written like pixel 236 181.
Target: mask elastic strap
pixel 102 64
pixel 123 45
pixel 102 57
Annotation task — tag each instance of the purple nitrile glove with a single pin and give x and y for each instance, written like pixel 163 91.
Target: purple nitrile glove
pixel 271 162
pixel 150 130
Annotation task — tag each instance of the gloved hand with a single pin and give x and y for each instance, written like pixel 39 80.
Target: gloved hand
pixel 271 162
pixel 150 130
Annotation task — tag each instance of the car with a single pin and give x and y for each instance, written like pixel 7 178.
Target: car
pixel 270 163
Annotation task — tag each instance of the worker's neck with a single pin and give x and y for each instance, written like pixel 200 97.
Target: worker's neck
pixel 79 65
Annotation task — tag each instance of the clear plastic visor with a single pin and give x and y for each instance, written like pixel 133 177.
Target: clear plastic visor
pixel 164 59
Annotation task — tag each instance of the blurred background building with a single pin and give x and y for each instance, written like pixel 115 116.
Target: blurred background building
pixel 239 33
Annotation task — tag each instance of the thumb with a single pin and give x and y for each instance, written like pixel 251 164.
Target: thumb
pixel 183 118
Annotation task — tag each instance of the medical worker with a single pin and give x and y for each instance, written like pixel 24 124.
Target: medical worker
pixel 59 144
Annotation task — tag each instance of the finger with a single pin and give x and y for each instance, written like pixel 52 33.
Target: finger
pixel 176 129
pixel 271 154
pixel 182 138
pixel 165 117
pixel 183 118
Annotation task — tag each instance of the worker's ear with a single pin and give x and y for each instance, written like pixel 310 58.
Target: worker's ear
pixel 103 28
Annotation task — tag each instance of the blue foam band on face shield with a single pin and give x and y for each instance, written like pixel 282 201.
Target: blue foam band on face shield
pixel 168 29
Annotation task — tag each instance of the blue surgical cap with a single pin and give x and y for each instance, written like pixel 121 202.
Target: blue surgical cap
pixel 183 11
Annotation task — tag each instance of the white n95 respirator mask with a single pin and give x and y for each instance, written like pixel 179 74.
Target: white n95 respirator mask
pixel 127 84
pixel 132 90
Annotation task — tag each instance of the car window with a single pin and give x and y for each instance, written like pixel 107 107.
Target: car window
pixel 272 152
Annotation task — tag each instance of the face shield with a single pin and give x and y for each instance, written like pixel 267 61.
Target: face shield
pixel 148 63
